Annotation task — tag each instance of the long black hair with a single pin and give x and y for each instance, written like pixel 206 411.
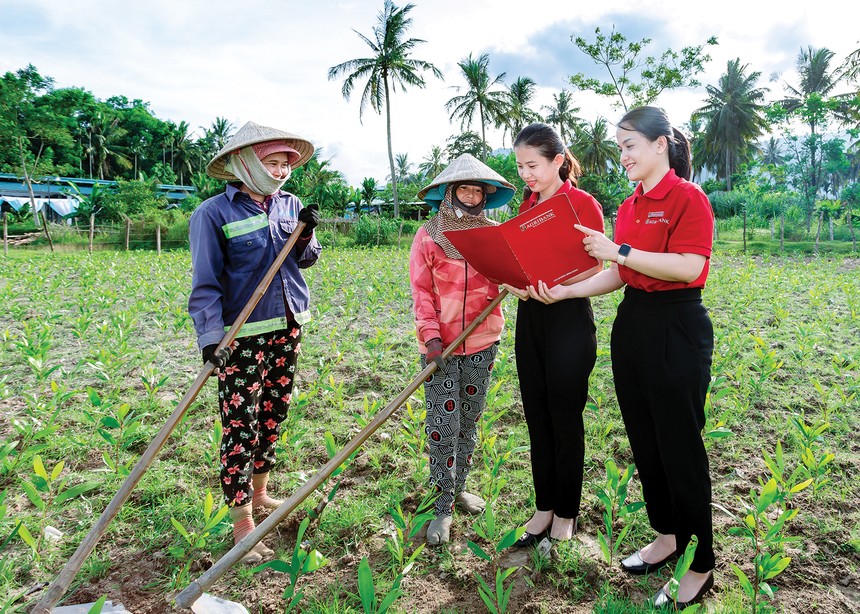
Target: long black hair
pixel 652 122
pixel 547 141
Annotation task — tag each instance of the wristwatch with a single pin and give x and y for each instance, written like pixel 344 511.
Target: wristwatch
pixel 623 252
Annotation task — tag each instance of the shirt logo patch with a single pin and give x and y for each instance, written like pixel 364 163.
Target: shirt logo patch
pixel 661 220
pixel 656 213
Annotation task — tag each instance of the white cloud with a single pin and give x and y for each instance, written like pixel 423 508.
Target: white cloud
pixel 268 62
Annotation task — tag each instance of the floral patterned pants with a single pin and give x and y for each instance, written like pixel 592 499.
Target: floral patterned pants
pixel 254 393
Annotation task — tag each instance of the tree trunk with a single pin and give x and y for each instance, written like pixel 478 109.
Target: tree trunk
pixel 745 228
pixel 782 227
pixel 390 154
pixel 773 228
pixel 158 240
pixel 818 231
pixel 850 229
pixel 47 233
pixel 483 135
pixel 830 220
pixel 28 181
pixel 92 232
pixel 729 176
pixel 127 232
pixel 5 235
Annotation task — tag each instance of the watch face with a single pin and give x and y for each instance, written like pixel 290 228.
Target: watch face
pixel 624 250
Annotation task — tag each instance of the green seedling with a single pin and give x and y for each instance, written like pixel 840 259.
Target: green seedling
pixel 416 435
pixel 370 601
pixel 195 538
pixel 301 562
pixel 613 495
pixel 682 567
pixel 816 465
pixel 406 527
pixel 767 539
pixel 497 597
pixel 46 490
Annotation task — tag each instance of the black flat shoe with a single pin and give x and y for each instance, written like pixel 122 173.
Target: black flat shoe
pixel 634 564
pixel 528 539
pixel 664 600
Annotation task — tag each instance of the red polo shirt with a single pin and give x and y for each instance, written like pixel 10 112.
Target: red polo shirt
pixel 674 217
pixel 587 208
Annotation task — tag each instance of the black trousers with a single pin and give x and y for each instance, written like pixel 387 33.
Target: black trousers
pixel 556 348
pixel 662 344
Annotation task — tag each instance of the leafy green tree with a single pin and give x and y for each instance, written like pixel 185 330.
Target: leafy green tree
pixel 390 66
pixel 490 105
pixel 814 102
pixel 609 188
pixel 594 149
pixel 518 115
pixel 562 114
pixel 635 80
pixel 734 117
pixel 466 142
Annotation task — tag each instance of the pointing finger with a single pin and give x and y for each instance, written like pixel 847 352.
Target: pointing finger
pixel 587 230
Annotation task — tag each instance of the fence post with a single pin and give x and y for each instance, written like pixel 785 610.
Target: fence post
pixel 158 240
pixel 92 232
pixel 127 232
pixel 47 234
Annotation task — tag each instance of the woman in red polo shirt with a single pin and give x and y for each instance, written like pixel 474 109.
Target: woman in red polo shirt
pixel 556 348
pixel 662 340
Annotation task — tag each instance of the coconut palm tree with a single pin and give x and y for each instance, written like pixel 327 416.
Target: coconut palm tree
pixel 734 114
pixel 389 67
pixel 489 104
pixel 367 193
pixel 105 134
pixel 402 169
pixel 562 114
pixel 594 149
pixel 433 163
pixel 519 115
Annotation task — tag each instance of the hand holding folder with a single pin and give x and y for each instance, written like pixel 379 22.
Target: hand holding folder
pixel 540 244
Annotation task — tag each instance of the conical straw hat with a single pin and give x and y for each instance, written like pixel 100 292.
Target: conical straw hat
pixel 251 134
pixel 468 168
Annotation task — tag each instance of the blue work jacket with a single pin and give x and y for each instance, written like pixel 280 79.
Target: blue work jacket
pixel 233 244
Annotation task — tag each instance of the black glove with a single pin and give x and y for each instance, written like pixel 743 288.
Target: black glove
pixel 219 359
pixel 310 215
pixel 434 353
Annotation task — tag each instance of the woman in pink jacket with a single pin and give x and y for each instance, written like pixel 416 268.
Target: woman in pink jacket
pixel 448 294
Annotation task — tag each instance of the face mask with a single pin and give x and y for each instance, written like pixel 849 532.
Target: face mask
pixel 247 167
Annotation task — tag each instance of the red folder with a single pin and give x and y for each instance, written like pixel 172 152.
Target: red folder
pixel 540 244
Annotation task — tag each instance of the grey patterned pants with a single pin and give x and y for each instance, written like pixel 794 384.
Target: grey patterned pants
pixel 455 400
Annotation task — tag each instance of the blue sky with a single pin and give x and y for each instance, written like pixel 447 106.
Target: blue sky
pixel 268 62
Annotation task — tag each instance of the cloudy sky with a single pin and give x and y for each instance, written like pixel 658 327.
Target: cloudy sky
pixel 268 61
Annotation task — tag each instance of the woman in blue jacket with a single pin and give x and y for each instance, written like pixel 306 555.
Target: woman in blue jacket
pixel 235 237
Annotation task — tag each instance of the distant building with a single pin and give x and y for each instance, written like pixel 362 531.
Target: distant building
pixel 54 196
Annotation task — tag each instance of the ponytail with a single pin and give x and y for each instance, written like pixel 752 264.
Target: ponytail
pixel 570 168
pixel 679 155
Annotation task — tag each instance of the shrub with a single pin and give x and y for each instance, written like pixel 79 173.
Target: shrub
pixel 374 230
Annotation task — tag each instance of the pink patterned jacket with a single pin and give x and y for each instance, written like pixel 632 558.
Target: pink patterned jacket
pixel 448 295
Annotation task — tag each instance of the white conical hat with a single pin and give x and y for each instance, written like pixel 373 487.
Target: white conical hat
pixel 251 134
pixel 468 168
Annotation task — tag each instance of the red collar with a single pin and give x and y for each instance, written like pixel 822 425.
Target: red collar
pixel 662 189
